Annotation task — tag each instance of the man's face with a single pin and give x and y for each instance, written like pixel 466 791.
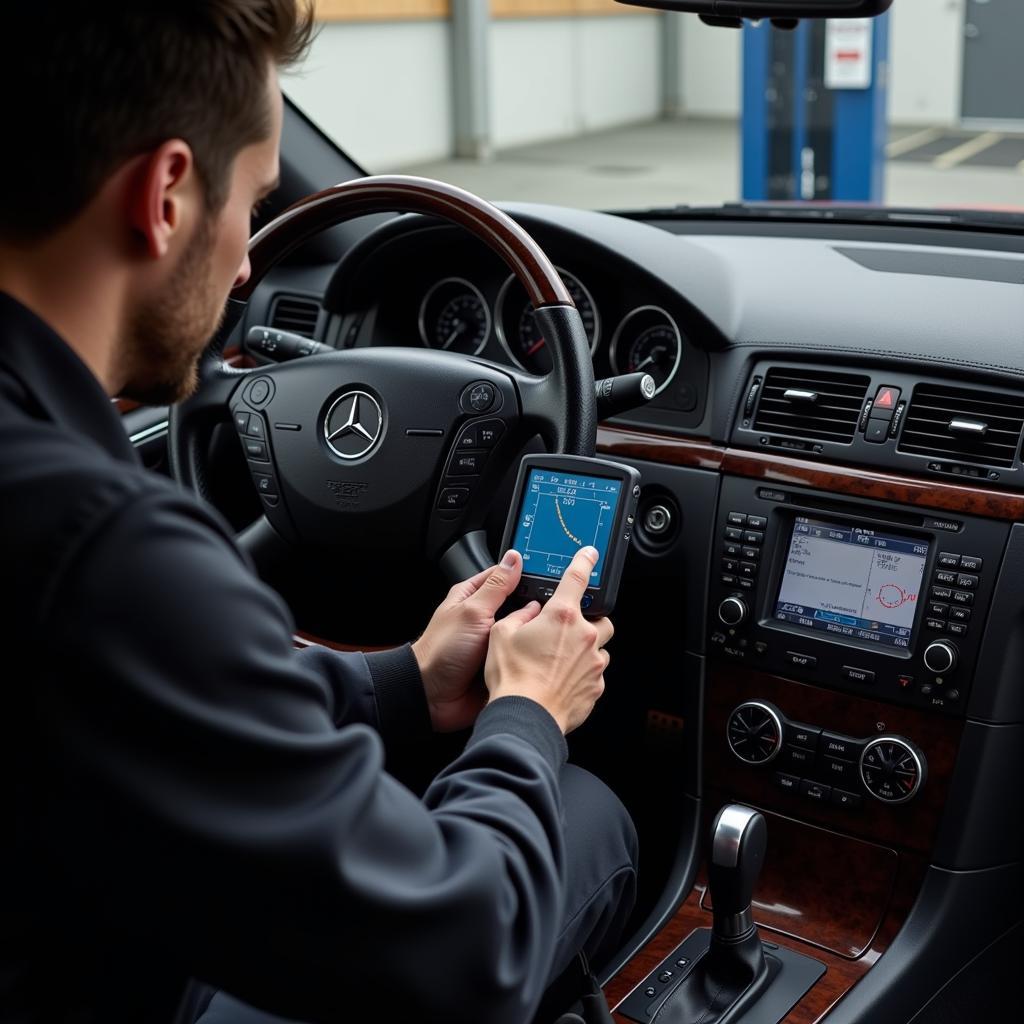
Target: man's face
pixel 168 332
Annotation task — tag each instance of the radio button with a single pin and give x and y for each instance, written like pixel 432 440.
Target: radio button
pixel 941 593
pixel 732 550
pixel 801 660
pixel 963 597
pixel 731 533
pixel 760 522
pixel 948 560
pixel 967 581
pixel 802 735
pixel 748 569
pixel 797 757
pixel 816 791
pixel 834 745
pixel 959 614
pixel 730 565
pixel 746 584
pixel 753 537
pixel 936 625
pixel 835 768
pixel 970 563
pixel 737 519
pixel 938 609
pixel 790 783
pixel 858 675
pixel 728 580
pixel 946 577
pixel 957 628
pixel 751 553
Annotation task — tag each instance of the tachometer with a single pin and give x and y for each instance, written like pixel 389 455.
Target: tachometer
pixel 648 340
pixel 522 337
pixel 454 317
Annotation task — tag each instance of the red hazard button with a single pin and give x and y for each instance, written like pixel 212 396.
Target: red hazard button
pixel 885 403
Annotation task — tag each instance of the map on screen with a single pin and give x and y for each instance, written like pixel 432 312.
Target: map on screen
pixel 561 513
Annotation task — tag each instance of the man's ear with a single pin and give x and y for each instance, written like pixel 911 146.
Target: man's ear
pixel 161 191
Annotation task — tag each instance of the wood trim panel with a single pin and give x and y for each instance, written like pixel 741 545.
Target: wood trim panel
pixel 842 973
pixel 381 10
pixel 782 469
pixel 622 443
pixel 911 826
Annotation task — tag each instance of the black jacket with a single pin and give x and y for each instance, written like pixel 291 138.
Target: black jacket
pixel 185 795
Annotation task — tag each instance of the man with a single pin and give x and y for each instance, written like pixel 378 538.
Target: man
pixel 188 797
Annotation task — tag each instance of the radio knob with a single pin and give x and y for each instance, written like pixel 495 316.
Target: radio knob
pixel 940 657
pixel 732 611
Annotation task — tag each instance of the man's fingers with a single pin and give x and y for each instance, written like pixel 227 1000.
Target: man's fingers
pixel 467 588
pixel 605 631
pixel 521 616
pixel 498 583
pixel 577 578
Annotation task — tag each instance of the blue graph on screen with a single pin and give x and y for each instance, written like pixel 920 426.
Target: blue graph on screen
pixel 560 513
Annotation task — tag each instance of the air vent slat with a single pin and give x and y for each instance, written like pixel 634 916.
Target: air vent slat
pixel 832 416
pixel 926 430
pixel 296 314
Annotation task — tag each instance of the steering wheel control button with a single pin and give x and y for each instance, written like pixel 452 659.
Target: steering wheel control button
pixel 256 450
pixel 489 432
pixel 467 464
pixel 259 392
pixel 242 422
pixel 479 397
pixel 271 500
pixel 257 428
pixel 469 438
pixel 453 498
pixel 265 484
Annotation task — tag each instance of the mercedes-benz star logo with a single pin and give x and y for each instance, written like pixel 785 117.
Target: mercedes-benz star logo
pixel 353 425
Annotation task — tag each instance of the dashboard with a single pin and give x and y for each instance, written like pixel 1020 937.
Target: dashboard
pixel 833 503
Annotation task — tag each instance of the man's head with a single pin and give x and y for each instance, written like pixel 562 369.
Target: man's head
pixel 165 118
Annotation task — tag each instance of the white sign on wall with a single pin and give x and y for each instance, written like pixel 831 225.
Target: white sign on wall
pixel 848 53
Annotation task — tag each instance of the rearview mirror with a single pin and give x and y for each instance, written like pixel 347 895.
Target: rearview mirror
pixel 731 9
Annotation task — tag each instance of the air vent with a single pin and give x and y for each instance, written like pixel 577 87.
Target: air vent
pixel 964 424
pixel 816 404
pixel 295 314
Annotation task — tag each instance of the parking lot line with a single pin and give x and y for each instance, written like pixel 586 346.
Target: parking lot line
pixel 966 150
pixel 900 146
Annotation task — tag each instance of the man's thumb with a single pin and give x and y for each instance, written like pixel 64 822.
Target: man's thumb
pixel 499 584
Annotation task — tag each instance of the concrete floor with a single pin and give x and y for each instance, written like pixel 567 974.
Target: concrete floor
pixel 687 161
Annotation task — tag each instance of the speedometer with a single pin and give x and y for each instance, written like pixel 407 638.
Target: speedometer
pixel 648 341
pixel 521 335
pixel 454 317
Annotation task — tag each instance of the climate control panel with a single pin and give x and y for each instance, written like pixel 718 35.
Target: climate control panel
pixel 827 767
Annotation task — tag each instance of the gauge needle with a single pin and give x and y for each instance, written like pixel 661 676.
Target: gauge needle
pixel 535 347
pixel 454 334
pixel 649 359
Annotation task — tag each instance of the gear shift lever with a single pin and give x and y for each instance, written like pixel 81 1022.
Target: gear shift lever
pixel 739 838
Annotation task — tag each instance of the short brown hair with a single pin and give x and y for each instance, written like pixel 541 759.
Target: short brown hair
pixel 88 85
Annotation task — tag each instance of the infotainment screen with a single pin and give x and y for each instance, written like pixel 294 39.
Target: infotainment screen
pixel 852 582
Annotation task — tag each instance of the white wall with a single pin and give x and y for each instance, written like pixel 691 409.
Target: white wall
pixel 561 76
pixel 712 69
pixel 382 91
pixel 926 40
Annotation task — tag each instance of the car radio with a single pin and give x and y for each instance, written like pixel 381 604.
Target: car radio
pixel 876 599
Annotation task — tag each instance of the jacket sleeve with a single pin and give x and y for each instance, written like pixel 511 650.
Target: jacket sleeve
pixel 214 808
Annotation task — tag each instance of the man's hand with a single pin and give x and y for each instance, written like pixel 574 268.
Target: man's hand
pixel 453 646
pixel 553 655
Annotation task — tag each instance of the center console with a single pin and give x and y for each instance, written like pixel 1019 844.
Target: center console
pixel 879 600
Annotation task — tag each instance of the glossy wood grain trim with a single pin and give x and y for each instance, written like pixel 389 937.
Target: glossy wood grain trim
pixel 910 826
pixel 624 443
pixel 403 193
pixel 842 972
pixel 871 483
pixel 302 640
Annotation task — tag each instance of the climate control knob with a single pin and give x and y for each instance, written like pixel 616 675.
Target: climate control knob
pixel 754 732
pixel 892 769
pixel 940 657
pixel 732 611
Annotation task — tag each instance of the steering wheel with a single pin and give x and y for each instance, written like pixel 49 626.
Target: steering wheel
pixel 390 450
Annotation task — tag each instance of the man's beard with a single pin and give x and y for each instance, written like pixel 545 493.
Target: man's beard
pixel 167 335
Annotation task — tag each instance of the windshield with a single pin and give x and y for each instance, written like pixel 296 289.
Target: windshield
pixel 593 104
